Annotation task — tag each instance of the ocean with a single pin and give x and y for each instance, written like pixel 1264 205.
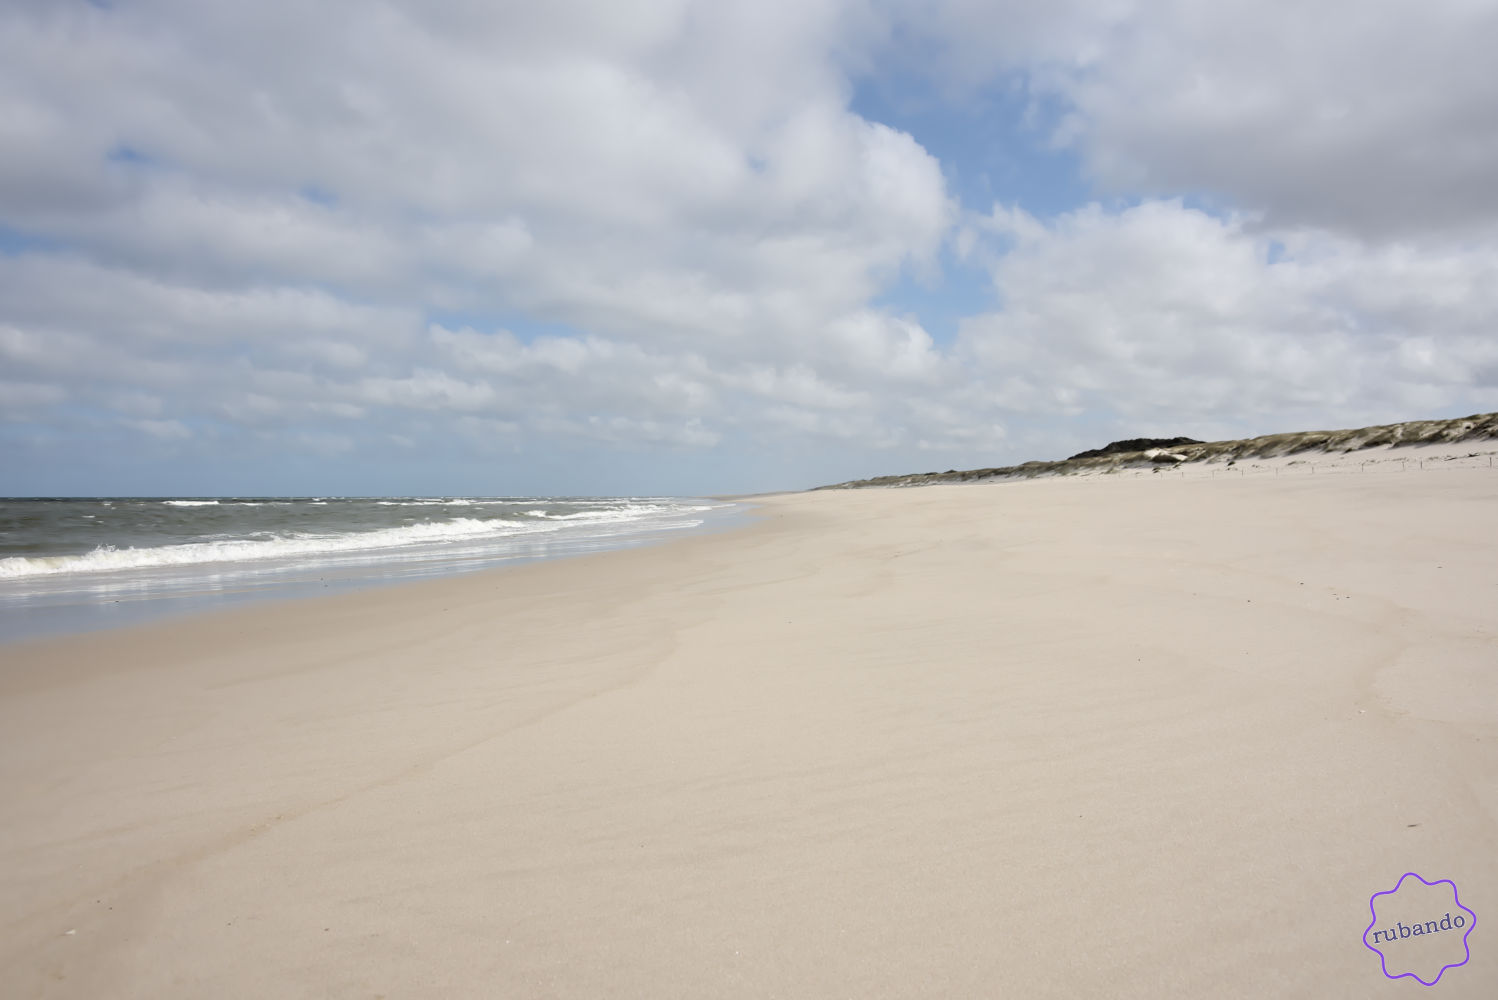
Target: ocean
pixel 77 564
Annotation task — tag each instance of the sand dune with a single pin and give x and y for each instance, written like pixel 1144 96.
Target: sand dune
pixel 1131 737
pixel 1465 440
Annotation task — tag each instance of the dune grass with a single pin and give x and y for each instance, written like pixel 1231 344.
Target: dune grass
pixel 1480 426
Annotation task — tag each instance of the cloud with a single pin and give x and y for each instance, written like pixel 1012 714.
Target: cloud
pixel 1163 312
pixel 481 157
pixel 22 397
pixel 323 443
pixel 164 430
pixel 252 221
pixel 1374 118
pixel 491 230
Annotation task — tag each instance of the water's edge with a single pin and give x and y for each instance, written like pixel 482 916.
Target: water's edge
pixel 50 616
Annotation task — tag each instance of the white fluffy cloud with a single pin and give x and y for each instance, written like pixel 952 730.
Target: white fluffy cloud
pixel 1376 118
pixel 408 228
pixel 1163 313
pixel 256 206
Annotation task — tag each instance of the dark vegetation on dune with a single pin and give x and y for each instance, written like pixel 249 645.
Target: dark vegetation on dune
pixel 1139 452
pixel 1132 445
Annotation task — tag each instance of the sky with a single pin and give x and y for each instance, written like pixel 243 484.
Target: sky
pixel 603 247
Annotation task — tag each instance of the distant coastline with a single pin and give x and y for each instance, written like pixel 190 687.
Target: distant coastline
pixel 1479 427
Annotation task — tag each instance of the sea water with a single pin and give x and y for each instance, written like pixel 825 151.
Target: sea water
pixel 75 564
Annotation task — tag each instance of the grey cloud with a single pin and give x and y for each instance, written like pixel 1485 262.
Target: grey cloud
pixel 250 215
pixel 1377 118
pixel 643 184
pixel 165 430
pixel 20 397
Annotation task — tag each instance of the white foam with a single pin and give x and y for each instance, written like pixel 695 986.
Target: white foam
pixel 191 503
pixel 434 503
pixel 461 537
pixel 108 558
pixel 624 512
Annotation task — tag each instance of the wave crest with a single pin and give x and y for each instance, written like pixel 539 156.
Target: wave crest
pixel 108 558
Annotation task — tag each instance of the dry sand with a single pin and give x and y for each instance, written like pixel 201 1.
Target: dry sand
pixel 1128 737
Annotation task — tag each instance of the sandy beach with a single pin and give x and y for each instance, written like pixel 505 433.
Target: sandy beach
pixel 1156 736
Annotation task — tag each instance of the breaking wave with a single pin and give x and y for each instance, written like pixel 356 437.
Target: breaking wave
pixel 107 558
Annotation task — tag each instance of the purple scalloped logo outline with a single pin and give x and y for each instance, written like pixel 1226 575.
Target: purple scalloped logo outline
pixel 1383 960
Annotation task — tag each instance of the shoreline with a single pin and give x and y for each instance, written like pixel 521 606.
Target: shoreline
pixel 1111 739
pixel 71 605
pixel 196 629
